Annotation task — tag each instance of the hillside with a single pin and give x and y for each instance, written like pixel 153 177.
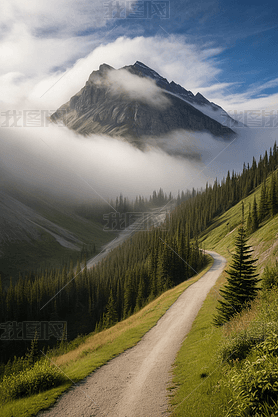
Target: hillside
pixel 137 273
pixel 37 232
pixel 200 375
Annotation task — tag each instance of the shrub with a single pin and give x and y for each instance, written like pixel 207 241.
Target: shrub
pixel 269 346
pixel 270 277
pixel 40 377
pixel 237 348
pixel 239 345
pixel 255 384
pixel 255 387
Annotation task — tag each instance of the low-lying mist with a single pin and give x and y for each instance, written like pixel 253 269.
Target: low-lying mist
pixel 73 168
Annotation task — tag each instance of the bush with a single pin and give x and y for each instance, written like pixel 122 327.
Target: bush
pixel 270 277
pixel 237 348
pixel 255 384
pixel 14 366
pixel 255 387
pixel 40 377
pixel 269 346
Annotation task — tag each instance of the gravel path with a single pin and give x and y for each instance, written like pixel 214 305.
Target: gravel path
pixel 134 383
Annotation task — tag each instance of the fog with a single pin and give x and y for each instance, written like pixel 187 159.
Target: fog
pixel 71 167
pixel 138 88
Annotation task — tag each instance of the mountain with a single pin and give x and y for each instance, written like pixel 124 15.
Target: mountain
pixel 136 103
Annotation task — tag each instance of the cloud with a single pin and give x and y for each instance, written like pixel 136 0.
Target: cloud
pixel 45 71
pixel 238 105
pixel 137 88
pixel 52 16
pixel 173 58
pixel 77 168
pixel 54 45
pixel 188 65
pixel 74 169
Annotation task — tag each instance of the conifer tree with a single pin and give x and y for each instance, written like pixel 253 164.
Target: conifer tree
pixel 255 220
pixel 263 203
pixel 249 222
pixel 128 295
pixel 141 293
pixel 111 316
pixel 241 287
pixel 273 206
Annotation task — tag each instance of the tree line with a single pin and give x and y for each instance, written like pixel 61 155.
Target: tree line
pixel 204 206
pixel 95 210
pixel 140 269
pixel 93 299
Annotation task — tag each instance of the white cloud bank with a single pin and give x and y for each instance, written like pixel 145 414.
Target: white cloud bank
pixel 73 166
pixel 39 36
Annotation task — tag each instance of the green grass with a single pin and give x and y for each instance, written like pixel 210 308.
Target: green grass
pixel 98 349
pixel 211 356
pixel 198 375
pixel 29 256
pixel 197 371
pixel 252 374
pixel 220 235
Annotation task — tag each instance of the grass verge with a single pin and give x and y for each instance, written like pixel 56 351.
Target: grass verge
pixel 199 385
pixel 97 350
pixel 197 371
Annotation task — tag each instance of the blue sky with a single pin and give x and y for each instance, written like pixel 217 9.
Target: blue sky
pixel 246 32
pixel 225 50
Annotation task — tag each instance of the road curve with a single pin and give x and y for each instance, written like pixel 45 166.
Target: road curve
pixel 134 383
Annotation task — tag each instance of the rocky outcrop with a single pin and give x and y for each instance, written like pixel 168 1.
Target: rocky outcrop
pixel 97 109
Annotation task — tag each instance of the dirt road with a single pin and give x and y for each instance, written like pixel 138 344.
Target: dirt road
pixel 134 384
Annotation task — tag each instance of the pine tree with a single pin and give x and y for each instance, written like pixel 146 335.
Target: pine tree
pixel 255 220
pixel 263 203
pixel 33 352
pixel 141 293
pixel 272 200
pixel 241 287
pixel 111 316
pixel 249 222
pixel 128 295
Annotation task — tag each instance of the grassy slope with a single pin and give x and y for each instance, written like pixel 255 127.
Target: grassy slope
pixel 98 349
pixel 47 252
pixel 197 370
pixel 196 390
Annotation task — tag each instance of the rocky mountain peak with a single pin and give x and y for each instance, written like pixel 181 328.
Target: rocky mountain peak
pixel 103 68
pixel 106 105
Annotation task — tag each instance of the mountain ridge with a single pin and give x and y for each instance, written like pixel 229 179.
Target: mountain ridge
pixel 136 103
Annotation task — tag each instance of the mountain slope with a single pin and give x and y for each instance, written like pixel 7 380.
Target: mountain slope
pixel 39 232
pixel 135 102
pixel 199 375
pixel 198 101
